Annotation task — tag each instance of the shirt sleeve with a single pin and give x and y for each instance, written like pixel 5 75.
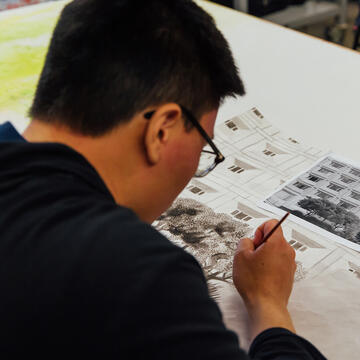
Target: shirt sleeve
pixel 282 344
pixel 181 320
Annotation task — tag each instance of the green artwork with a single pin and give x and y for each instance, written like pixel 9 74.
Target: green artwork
pixel 24 37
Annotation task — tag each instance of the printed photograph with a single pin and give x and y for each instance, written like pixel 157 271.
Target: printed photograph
pixel 327 196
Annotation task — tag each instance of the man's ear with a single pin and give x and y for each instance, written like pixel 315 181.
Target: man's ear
pixel 159 129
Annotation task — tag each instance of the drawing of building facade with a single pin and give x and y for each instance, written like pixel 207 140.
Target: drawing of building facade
pixel 258 156
pixel 259 159
pixel 330 179
pixel 301 243
pixel 248 214
pixel 199 188
pixel 355 269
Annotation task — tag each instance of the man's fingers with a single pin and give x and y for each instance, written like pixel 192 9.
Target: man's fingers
pixel 276 236
pixel 269 225
pixel 258 237
pixel 245 244
pixel 264 229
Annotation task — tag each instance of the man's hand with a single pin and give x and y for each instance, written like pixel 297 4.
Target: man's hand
pixel 263 274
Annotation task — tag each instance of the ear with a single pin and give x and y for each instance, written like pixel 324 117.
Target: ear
pixel 161 126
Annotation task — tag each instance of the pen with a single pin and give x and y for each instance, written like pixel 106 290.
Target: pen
pixel 276 226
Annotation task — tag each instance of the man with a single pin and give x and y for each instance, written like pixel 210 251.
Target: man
pixel 125 104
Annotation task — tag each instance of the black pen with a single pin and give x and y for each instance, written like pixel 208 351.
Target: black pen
pixel 276 226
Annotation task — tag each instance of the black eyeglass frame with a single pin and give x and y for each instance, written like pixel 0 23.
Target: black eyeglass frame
pixel 219 157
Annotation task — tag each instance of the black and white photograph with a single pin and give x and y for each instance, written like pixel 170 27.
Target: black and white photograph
pixel 326 197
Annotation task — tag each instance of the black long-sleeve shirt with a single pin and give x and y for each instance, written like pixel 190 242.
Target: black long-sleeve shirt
pixel 82 276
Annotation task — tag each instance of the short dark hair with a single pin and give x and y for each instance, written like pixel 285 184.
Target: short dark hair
pixel 109 60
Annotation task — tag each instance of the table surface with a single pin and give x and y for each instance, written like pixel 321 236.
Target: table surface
pixel 306 86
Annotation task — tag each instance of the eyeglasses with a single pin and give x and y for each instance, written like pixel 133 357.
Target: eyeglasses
pixel 207 162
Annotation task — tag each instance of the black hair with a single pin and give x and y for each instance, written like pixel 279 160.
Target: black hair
pixel 109 60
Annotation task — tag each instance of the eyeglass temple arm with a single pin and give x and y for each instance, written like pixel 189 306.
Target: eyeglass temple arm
pixel 219 156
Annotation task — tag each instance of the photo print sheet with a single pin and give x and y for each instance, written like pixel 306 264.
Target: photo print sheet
pixel 324 198
pixel 213 213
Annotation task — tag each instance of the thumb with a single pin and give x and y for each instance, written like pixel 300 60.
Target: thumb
pixel 245 244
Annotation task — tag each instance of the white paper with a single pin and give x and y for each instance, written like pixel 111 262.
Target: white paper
pixel 326 312
pixel 214 212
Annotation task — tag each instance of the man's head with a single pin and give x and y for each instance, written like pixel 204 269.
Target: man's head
pixel 110 62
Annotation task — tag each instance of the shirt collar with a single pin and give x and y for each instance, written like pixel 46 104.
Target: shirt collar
pixel 50 157
pixel 9 133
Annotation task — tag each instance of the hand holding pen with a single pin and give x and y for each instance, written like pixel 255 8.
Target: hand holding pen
pixel 264 232
pixel 263 274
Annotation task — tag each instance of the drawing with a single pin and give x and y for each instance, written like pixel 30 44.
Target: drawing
pixel 300 273
pixel 212 213
pixel 211 237
pixel 302 243
pixel 355 269
pixel 326 311
pixel 258 156
pixel 199 188
pixel 243 211
pixel 327 196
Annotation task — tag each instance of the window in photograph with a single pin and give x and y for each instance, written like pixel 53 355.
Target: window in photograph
pixel 314 178
pixel 301 186
pixel 337 165
pixel 231 125
pixel 268 153
pixel 355 172
pixel 241 216
pixel 346 205
pixel 335 187
pixel 355 195
pixel 323 195
pixel 236 169
pixel 284 195
pixel 346 180
pixel 325 170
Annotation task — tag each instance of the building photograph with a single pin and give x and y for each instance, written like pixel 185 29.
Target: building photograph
pixel 327 195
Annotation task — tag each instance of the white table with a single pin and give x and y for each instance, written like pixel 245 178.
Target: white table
pixel 306 86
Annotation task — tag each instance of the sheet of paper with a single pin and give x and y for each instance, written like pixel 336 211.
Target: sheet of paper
pixel 325 198
pixel 327 310
pixel 213 212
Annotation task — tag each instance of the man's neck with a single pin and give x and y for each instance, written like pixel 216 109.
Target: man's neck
pixel 112 155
